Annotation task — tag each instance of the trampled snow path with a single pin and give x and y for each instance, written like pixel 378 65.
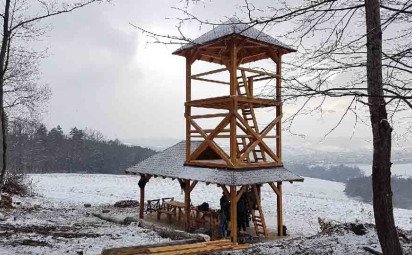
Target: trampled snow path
pixel 303 202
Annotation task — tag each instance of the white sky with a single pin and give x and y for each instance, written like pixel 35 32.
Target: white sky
pixel 105 76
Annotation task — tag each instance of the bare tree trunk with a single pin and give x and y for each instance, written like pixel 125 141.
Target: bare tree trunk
pixel 3 51
pixel 381 131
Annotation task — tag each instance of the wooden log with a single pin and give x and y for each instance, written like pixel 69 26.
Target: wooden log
pixel 142 249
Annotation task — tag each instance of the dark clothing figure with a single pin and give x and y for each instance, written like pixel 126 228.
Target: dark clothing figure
pixel 203 207
pixel 225 207
pixel 224 216
pixel 242 214
pixel 222 224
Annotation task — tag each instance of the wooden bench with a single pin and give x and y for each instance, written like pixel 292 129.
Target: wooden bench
pixel 156 204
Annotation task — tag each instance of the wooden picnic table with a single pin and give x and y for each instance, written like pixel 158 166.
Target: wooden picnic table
pixel 172 209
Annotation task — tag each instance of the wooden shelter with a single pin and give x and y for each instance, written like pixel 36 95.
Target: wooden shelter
pixel 249 161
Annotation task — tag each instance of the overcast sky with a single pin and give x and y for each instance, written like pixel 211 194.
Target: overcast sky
pixel 105 76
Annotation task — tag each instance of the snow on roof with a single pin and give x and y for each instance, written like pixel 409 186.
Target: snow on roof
pixel 230 27
pixel 169 163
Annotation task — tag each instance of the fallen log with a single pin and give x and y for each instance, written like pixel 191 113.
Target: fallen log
pixel 164 232
pixel 144 248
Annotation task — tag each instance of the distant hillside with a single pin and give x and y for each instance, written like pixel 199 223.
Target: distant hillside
pixel 34 149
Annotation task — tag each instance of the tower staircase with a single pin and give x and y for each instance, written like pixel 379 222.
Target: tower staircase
pixel 257 214
pixel 248 114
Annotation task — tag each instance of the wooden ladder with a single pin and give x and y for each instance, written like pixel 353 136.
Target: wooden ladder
pixel 257 215
pixel 248 113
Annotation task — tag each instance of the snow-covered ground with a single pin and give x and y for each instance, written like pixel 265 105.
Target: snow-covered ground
pixel 61 197
pixel 303 202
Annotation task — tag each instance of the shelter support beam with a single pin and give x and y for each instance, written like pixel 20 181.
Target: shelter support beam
pixel 279 209
pixel 233 214
pixel 144 179
pixel 188 187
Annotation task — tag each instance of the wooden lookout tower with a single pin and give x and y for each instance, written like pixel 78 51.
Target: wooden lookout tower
pixel 237 153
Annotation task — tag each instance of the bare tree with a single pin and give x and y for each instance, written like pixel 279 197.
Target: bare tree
pixel 19 88
pixel 353 49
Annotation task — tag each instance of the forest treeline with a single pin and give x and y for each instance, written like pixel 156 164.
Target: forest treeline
pixel 361 187
pixel 337 173
pixel 34 149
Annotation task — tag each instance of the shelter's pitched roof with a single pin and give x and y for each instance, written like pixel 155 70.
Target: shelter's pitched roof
pixel 169 163
pixel 231 27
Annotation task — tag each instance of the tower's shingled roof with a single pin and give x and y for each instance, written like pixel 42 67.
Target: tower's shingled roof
pixel 234 27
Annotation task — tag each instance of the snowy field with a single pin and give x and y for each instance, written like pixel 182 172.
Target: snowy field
pixel 58 210
pixel 303 202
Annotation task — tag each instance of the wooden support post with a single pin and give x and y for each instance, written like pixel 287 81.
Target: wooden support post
pixel 279 209
pixel 187 205
pixel 279 108
pixel 233 108
pixel 142 184
pixel 233 214
pixel 187 107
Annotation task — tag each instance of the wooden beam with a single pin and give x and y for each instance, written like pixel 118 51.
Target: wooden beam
pixel 279 108
pixel 187 106
pixel 279 209
pixel 211 81
pixel 257 71
pixel 233 108
pixel 241 191
pixel 209 72
pixel 274 188
pixel 204 116
pixel 225 190
pixel 209 141
pixel 142 184
pixel 192 186
pixel 187 205
pixel 233 214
